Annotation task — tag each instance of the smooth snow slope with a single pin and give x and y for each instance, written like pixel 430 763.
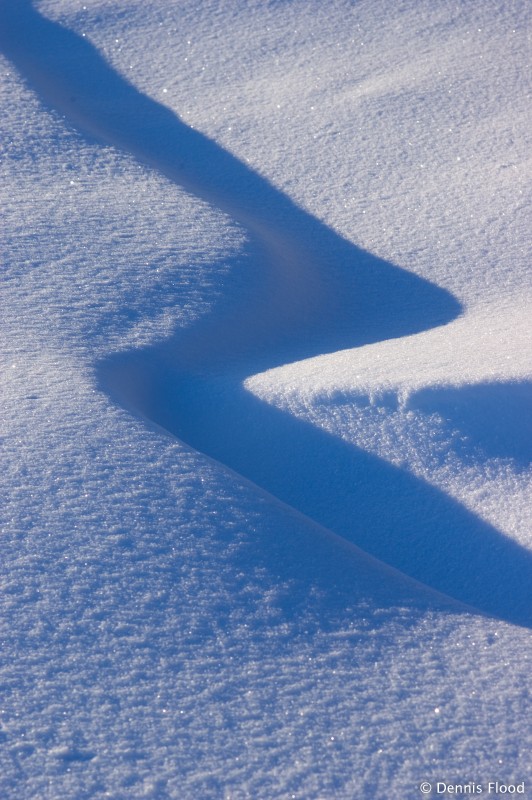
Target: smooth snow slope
pixel 171 631
pixel 295 305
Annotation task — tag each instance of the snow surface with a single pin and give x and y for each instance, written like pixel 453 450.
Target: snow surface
pixel 266 398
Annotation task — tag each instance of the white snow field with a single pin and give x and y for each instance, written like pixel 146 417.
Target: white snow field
pixel 266 393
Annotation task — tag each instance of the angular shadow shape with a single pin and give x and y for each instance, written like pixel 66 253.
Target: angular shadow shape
pixel 306 291
pixel 495 417
pixel 387 512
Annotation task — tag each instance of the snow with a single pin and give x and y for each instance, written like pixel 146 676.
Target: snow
pixel 266 398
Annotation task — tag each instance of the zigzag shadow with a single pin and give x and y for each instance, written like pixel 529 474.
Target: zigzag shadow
pixel 306 291
pixel 387 512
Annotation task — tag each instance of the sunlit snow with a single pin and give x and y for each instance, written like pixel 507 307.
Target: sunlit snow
pixel 266 399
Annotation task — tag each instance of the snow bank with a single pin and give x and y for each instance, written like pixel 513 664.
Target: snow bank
pixel 169 628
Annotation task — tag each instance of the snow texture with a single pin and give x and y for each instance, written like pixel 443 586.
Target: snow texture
pixel 265 400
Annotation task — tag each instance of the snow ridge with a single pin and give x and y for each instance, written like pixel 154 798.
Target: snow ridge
pixel 169 630
pixel 308 292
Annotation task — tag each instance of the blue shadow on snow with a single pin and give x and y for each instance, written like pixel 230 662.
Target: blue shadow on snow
pixel 495 417
pixel 382 509
pixel 306 290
